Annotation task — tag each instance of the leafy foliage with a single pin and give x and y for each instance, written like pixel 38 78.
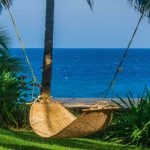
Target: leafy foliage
pixel 141 5
pixel 6 60
pixel 4 40
pixel 5 3
pixel 10 63
pixel 132 125
pixel 91 3
pixel 13 91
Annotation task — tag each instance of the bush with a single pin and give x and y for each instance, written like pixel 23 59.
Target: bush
pixel 13 92
pixel 13 89
pixel 132 125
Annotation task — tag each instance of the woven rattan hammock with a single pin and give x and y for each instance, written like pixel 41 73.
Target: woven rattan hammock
pixel 51 119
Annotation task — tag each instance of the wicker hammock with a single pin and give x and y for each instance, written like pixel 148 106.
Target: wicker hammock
pixel 51 119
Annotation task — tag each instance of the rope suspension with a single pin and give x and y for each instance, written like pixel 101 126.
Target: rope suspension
pixel 119 68
pixel 23 49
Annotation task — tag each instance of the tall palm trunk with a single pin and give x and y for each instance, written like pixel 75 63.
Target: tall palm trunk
pixel 48 48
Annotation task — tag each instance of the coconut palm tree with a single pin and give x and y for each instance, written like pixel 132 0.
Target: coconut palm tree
pixel 48 46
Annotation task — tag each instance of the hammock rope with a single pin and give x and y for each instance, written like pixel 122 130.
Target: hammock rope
pixel 127 49
pixel 35 81
pixel 123 58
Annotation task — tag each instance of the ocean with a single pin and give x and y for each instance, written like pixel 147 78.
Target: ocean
pixel 86 73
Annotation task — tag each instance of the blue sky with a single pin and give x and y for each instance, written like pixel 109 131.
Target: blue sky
pixel 109 26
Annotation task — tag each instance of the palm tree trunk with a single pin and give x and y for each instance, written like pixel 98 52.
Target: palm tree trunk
pixel 48 48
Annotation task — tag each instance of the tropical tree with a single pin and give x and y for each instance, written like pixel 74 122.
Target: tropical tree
pixel 48 46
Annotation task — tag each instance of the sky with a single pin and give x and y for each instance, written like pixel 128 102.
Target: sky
pixel 110 25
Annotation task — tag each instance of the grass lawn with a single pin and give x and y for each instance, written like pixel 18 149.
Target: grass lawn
pixel 22 140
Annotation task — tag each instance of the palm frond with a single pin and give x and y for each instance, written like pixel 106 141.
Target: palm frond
pixel 7 62
pixel 4 41
pixel 141 5
pixel 91 3
pixel 123 102
pixel 5 4
pixel 10 63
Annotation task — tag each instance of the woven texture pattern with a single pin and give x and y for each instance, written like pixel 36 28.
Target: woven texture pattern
pixel 51 119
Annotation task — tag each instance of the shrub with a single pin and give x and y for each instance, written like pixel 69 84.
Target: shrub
pixel 13 92
pixel 13 89
pixel 132 125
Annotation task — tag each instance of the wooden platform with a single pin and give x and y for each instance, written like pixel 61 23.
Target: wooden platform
pixel 77 104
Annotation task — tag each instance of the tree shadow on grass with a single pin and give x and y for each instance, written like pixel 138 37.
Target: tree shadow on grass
pixel 68 143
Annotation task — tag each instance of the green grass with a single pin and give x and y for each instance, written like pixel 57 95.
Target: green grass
pixel 23 140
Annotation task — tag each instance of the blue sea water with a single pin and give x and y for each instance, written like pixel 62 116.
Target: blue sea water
pixel 86 73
